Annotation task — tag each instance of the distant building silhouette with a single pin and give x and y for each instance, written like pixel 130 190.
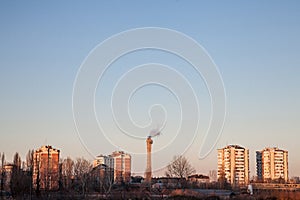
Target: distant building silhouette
pixel 46 168
pixel 7 173
pixel 198 179
pixel 168 182
pixel 233 164
pixel 272 164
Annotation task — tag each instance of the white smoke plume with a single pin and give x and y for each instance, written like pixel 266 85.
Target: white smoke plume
pixel 155 132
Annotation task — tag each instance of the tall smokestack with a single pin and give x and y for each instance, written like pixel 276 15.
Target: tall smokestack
pixel 148 173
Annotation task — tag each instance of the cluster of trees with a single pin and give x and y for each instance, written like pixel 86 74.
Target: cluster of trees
pixel 17 177
pixel 20 178
pixel 74 175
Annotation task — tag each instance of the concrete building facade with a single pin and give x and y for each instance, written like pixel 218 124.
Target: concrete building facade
pixel 104 160
pixel 122 167
pixel 272 164
pixel 46 168
pixel 233 164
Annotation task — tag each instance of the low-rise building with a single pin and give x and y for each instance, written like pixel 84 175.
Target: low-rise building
pixel 198 178
pixel 8 170
pixel 168 182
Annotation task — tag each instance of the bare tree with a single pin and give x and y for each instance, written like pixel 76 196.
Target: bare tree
pixel 179 167
pixel 82 169
pixel 103 178
pixel 17 161
pixel 38 178
pixel 213 175
pixel 67 172
pixel 17 177
pixel 29 170
pixel 29 161
pixel 2 171
pixel 108 180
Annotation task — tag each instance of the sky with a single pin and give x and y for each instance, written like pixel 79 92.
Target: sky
pixel 254 44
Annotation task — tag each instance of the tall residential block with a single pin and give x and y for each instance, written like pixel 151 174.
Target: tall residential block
pixel 46 168
pixel 272 164
pixel 122 167
pixel 233 164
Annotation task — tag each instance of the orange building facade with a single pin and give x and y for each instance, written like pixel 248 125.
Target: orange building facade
pixel 46 168
pixel 122 167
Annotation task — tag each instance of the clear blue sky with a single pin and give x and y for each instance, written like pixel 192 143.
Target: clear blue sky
pixel 255 44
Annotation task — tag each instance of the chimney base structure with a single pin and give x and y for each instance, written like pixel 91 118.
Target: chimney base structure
pixel 148 173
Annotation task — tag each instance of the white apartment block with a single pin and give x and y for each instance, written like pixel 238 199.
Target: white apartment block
pixel 272 164
pixel 233 164
pixel 104 160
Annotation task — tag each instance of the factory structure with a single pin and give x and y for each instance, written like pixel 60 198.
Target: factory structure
pixel 149 142
pixel 148 173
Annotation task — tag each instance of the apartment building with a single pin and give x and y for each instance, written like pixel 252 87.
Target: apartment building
pixel 104 160
pixel 46 168
pixel 272 164
pixel 233 164
pixel 122 166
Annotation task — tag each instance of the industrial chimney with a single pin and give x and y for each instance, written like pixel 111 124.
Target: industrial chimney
pixel 148 173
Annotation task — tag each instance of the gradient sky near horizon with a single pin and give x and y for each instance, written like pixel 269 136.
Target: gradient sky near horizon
pixel 255 44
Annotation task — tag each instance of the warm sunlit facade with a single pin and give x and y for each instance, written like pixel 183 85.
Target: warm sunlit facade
pixel 104 160
pixel 122 166
pixel 233 164
pixel 46 168
pixel 272 164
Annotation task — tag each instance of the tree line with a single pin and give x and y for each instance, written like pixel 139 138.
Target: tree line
pixel 17 177
pixel 75 176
